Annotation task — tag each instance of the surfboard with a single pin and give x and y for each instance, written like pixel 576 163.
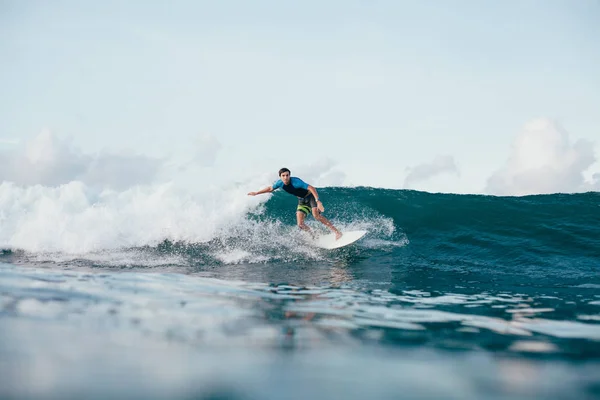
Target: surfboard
pixel 328 241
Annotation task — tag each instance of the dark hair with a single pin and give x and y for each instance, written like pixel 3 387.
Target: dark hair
pixel 282 170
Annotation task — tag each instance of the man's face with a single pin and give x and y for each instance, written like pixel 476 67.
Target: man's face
pixel 285 178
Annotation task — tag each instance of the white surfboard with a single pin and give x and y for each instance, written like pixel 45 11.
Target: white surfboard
pixel 328 241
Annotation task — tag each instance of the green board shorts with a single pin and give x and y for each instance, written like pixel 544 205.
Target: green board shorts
pixel 306 204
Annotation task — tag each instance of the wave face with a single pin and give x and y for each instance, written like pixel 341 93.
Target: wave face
pixel 551 232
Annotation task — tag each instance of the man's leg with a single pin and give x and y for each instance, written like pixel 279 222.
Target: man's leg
pixel 300 219
pixel 317 214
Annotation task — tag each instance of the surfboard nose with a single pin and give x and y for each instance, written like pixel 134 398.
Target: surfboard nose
pixel 330 242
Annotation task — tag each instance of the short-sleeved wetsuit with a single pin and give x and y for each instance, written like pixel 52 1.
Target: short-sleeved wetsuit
pixel 298 188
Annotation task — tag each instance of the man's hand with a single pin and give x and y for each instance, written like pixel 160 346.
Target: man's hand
pixel 320 206
pixel 252 194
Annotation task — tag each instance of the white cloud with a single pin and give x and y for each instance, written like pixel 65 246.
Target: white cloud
pixel 593 185
pixel 321 173
pixel 543 161
pixel 121 171
pixel 50 161
pixel 207 150
pixel 203 153
pixel 441 164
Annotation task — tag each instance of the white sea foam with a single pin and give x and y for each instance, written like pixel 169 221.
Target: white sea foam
pixel 67 221
pixel 72 218
pixel 56 200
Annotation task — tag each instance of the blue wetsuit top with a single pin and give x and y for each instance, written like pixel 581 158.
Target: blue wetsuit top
pixel 297 187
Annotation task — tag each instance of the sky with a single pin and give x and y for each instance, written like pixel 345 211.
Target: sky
pixel 462 96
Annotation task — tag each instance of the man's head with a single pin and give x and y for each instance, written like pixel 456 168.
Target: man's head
pixel 284 175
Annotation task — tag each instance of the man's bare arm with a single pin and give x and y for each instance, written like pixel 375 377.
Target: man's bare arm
pixel 265 190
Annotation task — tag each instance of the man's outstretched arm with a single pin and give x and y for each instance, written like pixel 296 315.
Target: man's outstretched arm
pixel 265 190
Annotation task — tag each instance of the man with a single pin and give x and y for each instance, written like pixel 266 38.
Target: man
pixel 308 199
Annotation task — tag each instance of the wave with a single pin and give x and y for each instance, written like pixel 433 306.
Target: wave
pixel 226 226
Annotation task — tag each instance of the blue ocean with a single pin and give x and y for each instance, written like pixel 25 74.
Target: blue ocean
pixel 164 296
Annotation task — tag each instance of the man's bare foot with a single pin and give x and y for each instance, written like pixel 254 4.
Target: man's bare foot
pixel 338 235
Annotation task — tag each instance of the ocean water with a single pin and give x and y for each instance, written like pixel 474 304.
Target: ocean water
pixel 157 292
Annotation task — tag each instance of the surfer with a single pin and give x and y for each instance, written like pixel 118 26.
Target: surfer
pixel 308 199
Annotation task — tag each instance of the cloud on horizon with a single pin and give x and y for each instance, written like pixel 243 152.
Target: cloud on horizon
pixel 441 164
pixel 543 161
pixel 50 161
pixel 207 149
pixel 323 172
pixel 593 185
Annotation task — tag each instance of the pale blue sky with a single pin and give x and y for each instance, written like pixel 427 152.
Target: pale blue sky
pixel 376 86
